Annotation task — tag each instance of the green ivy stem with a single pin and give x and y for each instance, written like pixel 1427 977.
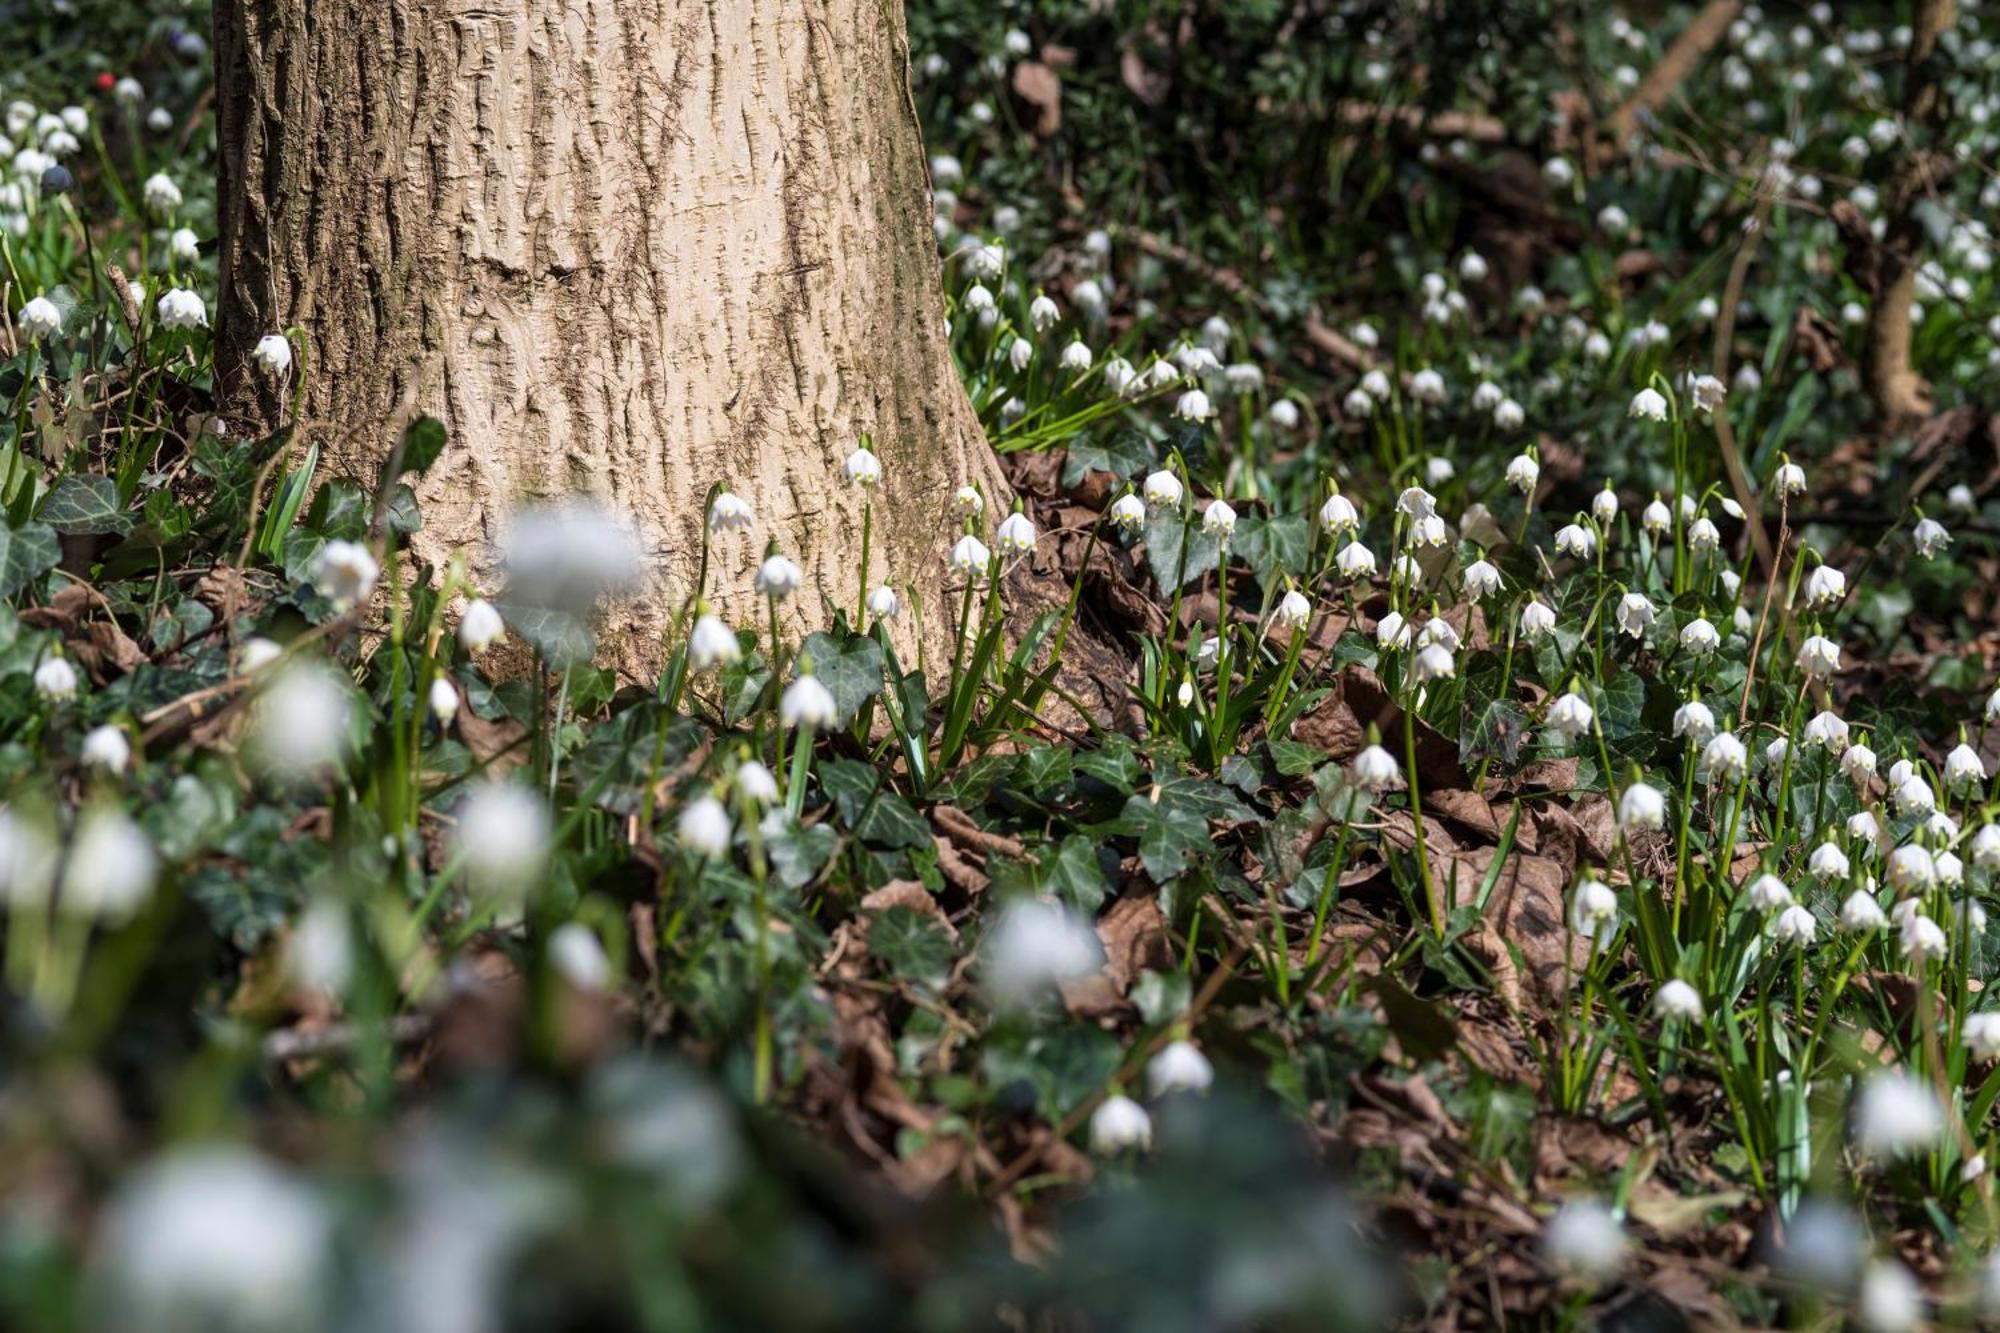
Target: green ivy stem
pixel 761 1061
pixel 1417 819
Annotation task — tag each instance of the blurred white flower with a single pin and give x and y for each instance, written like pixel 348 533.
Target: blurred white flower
pixel 704 827
pixel 729 512
pixel 1648 405
pixel 182 309
pixel 109 872
pixel 272 354
pixel 1016 534
pixel 1120 1125
pixel 1896 1114
pixel 578 957
pixel 778 577
pixel 1034 946
pixel 160 193
pixel 443 699
pixel 1889 1300
pixel 319 956
pixel 1178 1067
pixel 299 722
pixel 1860 912
pixel 55 679
pixel 345 573
pixel 1676 999
pixel 480 627
pixel 1795 926
pixel 1584 1241
pixel 882 602
pixel 40 318
pixel 106 748
pixel 1767 893
pixel 566 555
pixel 806 704
pixel 1828 863
pixel 502 840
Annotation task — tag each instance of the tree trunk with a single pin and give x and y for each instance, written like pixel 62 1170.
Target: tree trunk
pixel 623 247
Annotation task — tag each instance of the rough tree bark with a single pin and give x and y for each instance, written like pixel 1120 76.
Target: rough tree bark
pixel 1902 398
pixel 625 247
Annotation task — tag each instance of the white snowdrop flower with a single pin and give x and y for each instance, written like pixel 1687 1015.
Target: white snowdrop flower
pixel 1376 770
pixel 1593 912
pixel 1981 1033
pixel 1889 1299
pixel 1858 763
pixel 755 784
pixel 1635 614
pixel 1900 772
pixel 300 722
pixel 1776 752
pixel 184 245
pixel 1613 220
pixel 1676 999
pixel 778 577
pixel 1486 396
pixel 1338 515
pixel 1596 347
pixel 1604 506
pixel 161 194
pixel 1941 827
pixel 1960 496
pixel 1911 869
pixel 1294 610
pixel 1432 285
pixel 1794 927
pixel 1088 296
pixel 1355 561
pixel 1523 472
pixel 577 956
pixel 1162 489
pixel 182 309
pixel 1699 637
pixel 1950 872
pixel 1706 393
pixel 75 119
pixel 1930 537
pixel 807 705
pixel 1417 503
pixel 1570 716
pixel 107 748
pixel 20 117
pixel 272 354
pixel 1964 768
pixel 1694 721
pixel 1768 893
pixel 1921 938
pixel 55 679
pixel 1854 314
pixel 1218 519
pixel 882 602
pixel 704 827
pixel 1790 480
pixel 128 91
pixel 1731 581
pixel 1043 313
pixel 1748 379
pixel 480 627
pixel 1913 796
pixel 946 170
pixel 1986 847
pixel 1283 413
pixel 977 299
pixel 1861 913
pixel 39 319
pixel 1584 1241
pixel 1648 405
pixel 443 699
pixel 108 874
pixel 1195 361
pixel 319 956
pixel 1215 333
pixel 1357 404
pixel 1016 534
pixel 1531 301
pixel 1826 730
pixel 1193 406
pixel 1392 631
pixel 1122 379
pixel 1828 863
pixel 1656 518
pixel 1723 759
pixel 988 260
pixel 1558 173
pixel 862 468
pixel 1120 1125
pixel 1537 619
pixel 1819 657
pixel 214 1237
pixel 1897 1114
pixel 1076 358
pixel 1178 1067
pixel 1128 513
pixel 159 120
pixel 968 502
pixel 1434 663
pixel 257 653
pixel 1440 631
pixel 1702 535
pixel 1375 384
pixel 1427 386
pixel 1863 828
pixel 712 644
pixel 1509 415
pixel 1243 377
pixel 1481 579
pixel 1825 586
pixel 1642 807
pixel 730 512
pixel 1472 266
pixel 502 840
pixel 345 573
pixel 1034 946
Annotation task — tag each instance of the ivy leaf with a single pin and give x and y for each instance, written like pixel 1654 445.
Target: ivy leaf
pixel 1045 767
pixel 851 670
pixel 85 503
pixel 26 553
pixel 913 945
pixel 1124 455
pixel 1172 836
pixel 1273 546
pixel 799 852
pixel 876 813
pixel 422 443
pixel 562 639
pixel 1210 800
pixel 1166 531
pixel 1074 874
pixel 1294 759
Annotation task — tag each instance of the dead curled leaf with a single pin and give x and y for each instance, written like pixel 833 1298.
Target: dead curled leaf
pixel 1041 88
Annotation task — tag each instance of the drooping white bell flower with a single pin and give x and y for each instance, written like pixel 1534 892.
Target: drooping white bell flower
pixel 106 748
pixel 1700 637
pixel 480 627
pixel 443 699
pixel 1723 759
pixel 1481 579
pixel 1767 893
pixel 1825 586
pixel 704 827
pixel 1648 405
pixel 55 679
pixel 1355 561
pixel 1033 947
pixel 1162 489
pixel 1635 614
pixel 1537 619
pixel 1930 537
pixel 1860 913
pixel 730 512
pixel 1218 519
pixel 181 309
pixel 40 318
pixel 1819 657
pixel 1339 515
pixel 806 704
pixel 778 577
pixel 1585 1242
pixel 862 468
pixel 1676 999
pixel 882 602
pixel 1570 716
pixel 109 872
pixel 1294 610
pixel 502 840
pixel 345 573
pixel 1120 1125
pixel 1828 863
pixel 1128 513
pixel 1896 1114
pixel 1642 806
pixel 1016 534
pixel 1178 1067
